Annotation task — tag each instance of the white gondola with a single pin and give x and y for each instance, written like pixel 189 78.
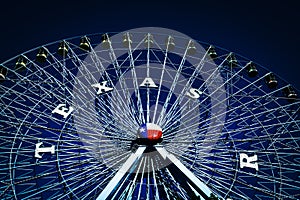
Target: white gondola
pixel 271 81
pixel 3 73
pixel 212 52
pixel 170 44
pixel 105 41
pixel 63 48
pixel 21 63
pixel 42 55
pixel 85 43
pixel 127 41
pixel 251 69
pixel 191 48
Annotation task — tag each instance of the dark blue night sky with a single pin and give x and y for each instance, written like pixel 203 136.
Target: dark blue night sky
pixel 266 32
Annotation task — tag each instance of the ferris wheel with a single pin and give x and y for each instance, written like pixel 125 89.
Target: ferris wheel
pixel 147 113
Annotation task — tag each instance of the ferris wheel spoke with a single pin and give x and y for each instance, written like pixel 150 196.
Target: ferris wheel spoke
pixel 222 85
pixel 183 93
pixel 161 78
pixel 148 75
pixel 251 84
pixel 44 188
pixel 118 118
pixel 245 105
pixel 160 118
pixel 135 83
pixel 238 130
pixel 88 180
pixel 112 99
pixel 74 178
pixel 122 81
pixel 34 85
pixel 221 183
pixel 284 126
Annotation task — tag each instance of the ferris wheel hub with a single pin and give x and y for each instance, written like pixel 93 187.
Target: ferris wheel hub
pixel 150 131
